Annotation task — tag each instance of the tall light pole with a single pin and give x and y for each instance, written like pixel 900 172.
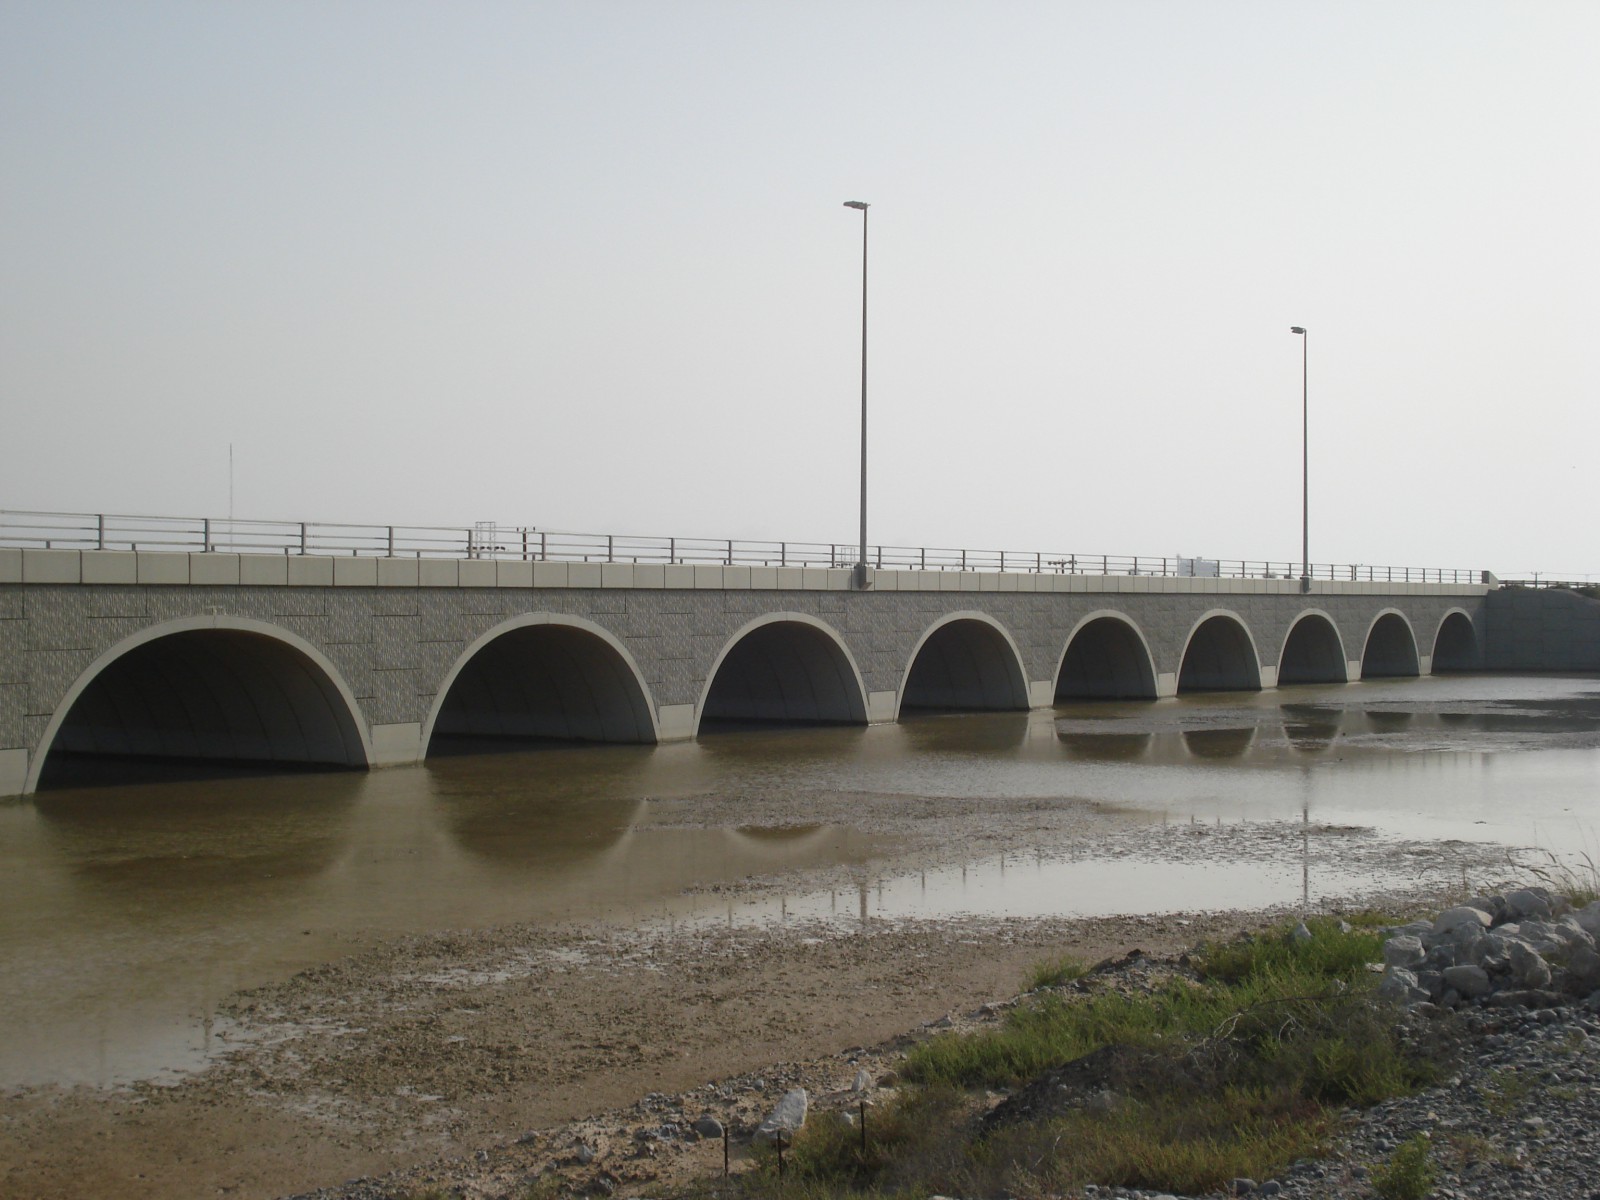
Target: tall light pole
pixel 1305 460
pixel 861 563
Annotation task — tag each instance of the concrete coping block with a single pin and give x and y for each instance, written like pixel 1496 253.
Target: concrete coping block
pixel 214 569
pixel 355 572
pixel 309 570
pixel 438 572
pixel 550 575
pixel 814 579
pixel 110 566
pixel 617 575
pixel 764 578
pixel 583 575
pixel 263 570
pixel 475 572
pixel 707 576
pixel 736 578
pixel 839 580
pixel 400 572
pixel 513 574
pixel 163 567
pixel 10 565
pixel 52 566
pixel 679 575
pixel 650 575
pixel 791 579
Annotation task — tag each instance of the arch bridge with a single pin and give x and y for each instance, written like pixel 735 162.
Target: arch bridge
pixel 357 662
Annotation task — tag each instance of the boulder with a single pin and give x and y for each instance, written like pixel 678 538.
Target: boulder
pixel 1447 923
pixel 1583 970
pixel 1471 981
pixel 1588 917
pixel 1527 967
pixel 1400 985
pixel 708 1126
pixel 785 1120
pixel 1530 902
pixel 1403 950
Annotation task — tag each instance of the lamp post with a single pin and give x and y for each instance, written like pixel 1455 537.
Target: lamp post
pixel 860 579
pixel 1305 461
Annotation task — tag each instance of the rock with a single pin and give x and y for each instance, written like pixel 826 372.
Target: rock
pixel 586 1153
pixel 1401 985
pixel 1583 970
pixel 1525 998
pixel 1529 902
pixel 785 1120
pixel 1471 981
pixel 1527 967
pixel 1462 917
pixel 1588 917
pixel 1346 927
pixel 1403 951
pixel 1242 1186
pixel 708 1127
pixel 862 1081
pixel 888 1079
pixel 1543 936
pixel 1300 933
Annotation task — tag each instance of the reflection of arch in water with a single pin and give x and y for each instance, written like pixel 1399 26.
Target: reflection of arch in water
pixel 1106 657
pixel 1455 645
pixel 1312 651
pixel 542 677
pixel 1391 647
pixel 552 832
pixel 215 690
pixel 1105 747
pixel 1311 728
pixel 1388 720
pixel 965 662
pixel 221 842
pixel 975 733
pixel 785 668
pixel 1219 743
pixel 1220 656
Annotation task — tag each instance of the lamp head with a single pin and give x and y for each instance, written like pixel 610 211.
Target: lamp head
pixel 1296 329
pixel 861 204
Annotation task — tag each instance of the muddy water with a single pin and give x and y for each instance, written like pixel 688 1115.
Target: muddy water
pixel 128 912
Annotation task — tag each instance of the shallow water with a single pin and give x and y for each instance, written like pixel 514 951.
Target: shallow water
pixel 127 913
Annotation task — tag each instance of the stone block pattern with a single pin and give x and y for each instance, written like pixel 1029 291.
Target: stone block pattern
pixel 396 648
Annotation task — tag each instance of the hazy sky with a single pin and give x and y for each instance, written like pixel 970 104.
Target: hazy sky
pixel 585 266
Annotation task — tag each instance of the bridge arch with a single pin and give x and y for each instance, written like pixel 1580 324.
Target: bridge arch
pixel 965 662
pixel 1391 647
pixel 784 667
pixel 1313 651
pixel 1455 643
pixel 1106 658
pixel 1219 655
pixel 214 689
pixel 543 677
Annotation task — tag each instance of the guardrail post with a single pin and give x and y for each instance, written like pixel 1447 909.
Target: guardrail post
pixel 100 529
pixel 1105 564
pixel 389 542
pixel 611 548
pixel 963 560
pixel 728 562
pixel 783 554
pixel 672 549
pixel 302 537
pixel 205 533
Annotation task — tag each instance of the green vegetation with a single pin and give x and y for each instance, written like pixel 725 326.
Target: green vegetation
pixel 1053 972
pixel 1235 1068
pixel 1408 1175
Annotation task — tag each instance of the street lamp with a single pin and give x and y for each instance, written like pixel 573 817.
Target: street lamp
pixel 860 579
pixel 1305 462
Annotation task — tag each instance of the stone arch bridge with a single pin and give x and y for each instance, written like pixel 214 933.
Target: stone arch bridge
pixel 360 662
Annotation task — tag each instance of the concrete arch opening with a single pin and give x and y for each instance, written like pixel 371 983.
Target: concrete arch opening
pixel 541 682
pixel 967 664
pixel 191 702
pixel 1106 659
pixel 1455 646
pixel 1391 649
pixel 786 671
pixel 1220 657
pixel 1313 652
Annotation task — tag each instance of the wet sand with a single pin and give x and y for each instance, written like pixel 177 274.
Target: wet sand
pixel 457 1044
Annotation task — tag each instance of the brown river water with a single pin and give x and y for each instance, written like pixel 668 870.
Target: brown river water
pixel 129 912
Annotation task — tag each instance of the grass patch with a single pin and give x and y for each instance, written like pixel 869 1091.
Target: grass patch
pixel 1408 1175
pixel 1236 1069
pixel 1053 972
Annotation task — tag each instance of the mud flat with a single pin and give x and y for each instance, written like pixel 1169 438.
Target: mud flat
pixel 482 1047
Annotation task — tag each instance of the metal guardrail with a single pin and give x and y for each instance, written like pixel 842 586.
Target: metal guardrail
pixel 107 531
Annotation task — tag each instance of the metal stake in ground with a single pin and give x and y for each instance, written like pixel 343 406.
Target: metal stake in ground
pixel 725 1136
